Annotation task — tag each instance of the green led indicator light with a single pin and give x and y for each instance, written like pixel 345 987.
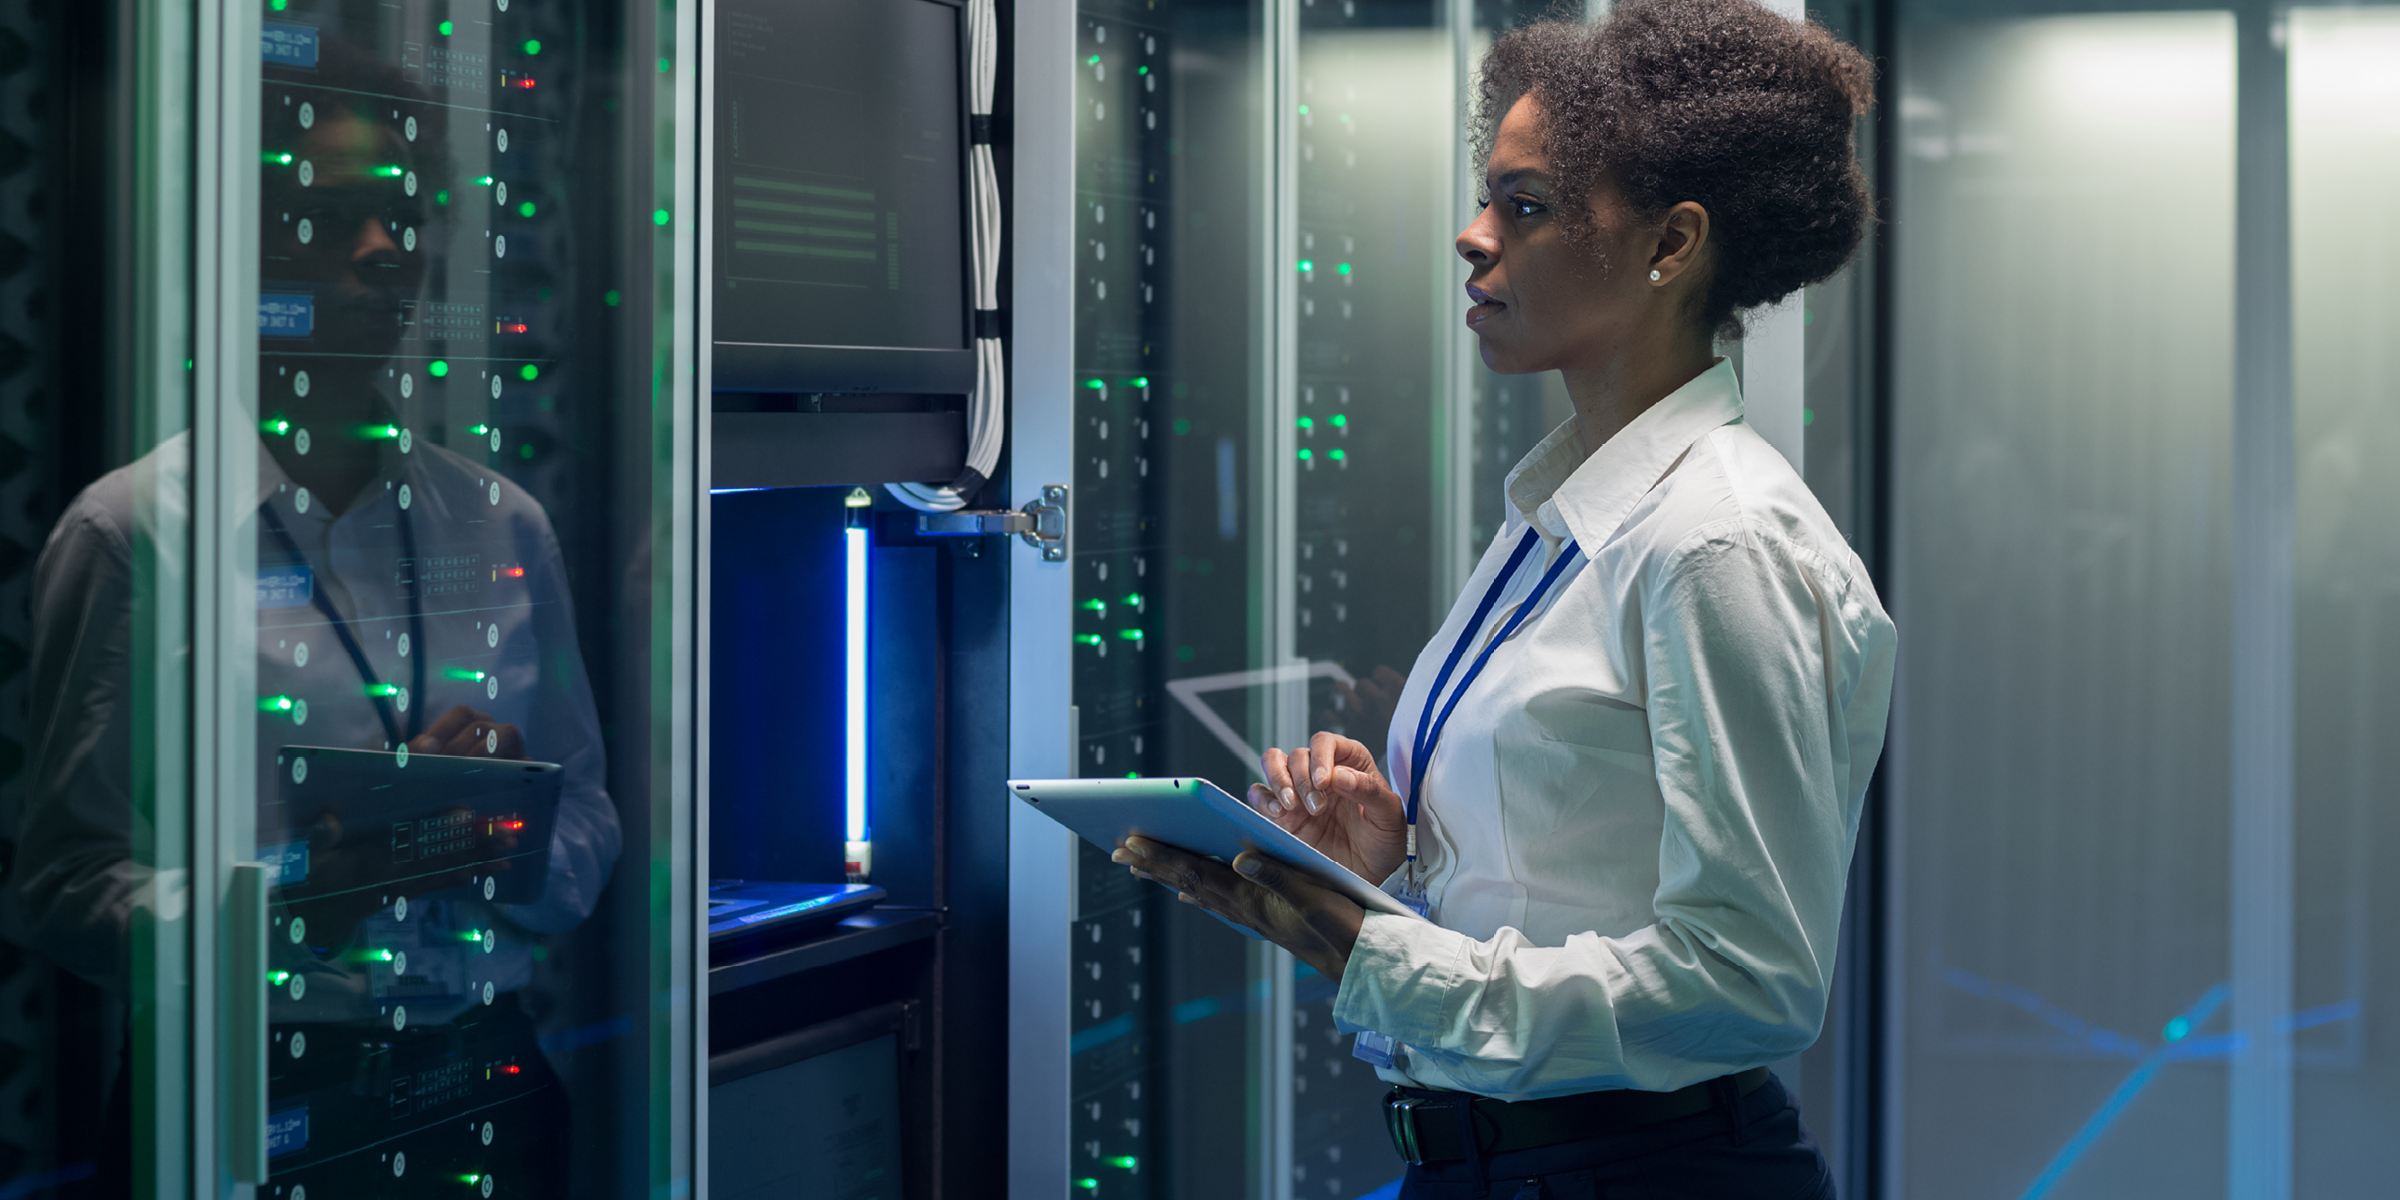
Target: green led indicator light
pixel 1088 639
pixel 1095 384
pixel 533 46
pixel 525 209
pixel 437 368
pixel 659 217
pixel 1304 110
pixel 1339 420
pixel 1808 416
pixel 1131 635
pixel 275 704
pixel 1141 381
pixel 1141 70
pixel 278 5
pixel 443 29
pixel 279 978
pixel 525 451
pixel 388 171
pixel 442 196
pixel 485 180
pixel 529 372
pixel 281 160
pixel 1093 60
pixel 1126 1161
pixel 1133 774
pixel 612 298
pixel 1134 599
pixel 464 673
pixel 382 689
pixel 378 433
pixel 1306 454
pixel 1306 265
pixel 1182 426
pixel 470 1179
pixel 1335 455
pixel 275 425
pixel 1341 268
pixel 187 364
pixel 1308 423
pixel 472 935
pixel 1098 606
pixel 1087 1183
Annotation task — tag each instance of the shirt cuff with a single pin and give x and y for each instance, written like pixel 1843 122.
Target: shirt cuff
pixel 1400 979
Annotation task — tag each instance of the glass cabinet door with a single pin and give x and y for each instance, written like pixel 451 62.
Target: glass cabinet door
pixel 463 492
pixel 1268 522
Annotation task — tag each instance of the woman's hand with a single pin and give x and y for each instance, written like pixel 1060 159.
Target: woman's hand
pixel 1317 924
pixel 469 734
pixel 1330 795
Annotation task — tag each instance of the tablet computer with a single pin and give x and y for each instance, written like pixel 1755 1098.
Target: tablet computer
pixel 1194 814
pixel 352 820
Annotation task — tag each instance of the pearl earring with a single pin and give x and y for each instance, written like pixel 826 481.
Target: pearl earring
pixel 1654 277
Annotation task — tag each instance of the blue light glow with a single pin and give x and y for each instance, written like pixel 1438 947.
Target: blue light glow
pixel 854 541
pixel 2115 1105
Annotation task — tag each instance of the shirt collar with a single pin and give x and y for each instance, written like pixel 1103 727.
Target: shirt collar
pixel 1558 491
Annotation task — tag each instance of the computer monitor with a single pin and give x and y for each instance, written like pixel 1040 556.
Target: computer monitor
pixel 840 215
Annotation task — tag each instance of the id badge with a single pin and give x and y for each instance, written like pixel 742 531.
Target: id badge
pixel 1373 1048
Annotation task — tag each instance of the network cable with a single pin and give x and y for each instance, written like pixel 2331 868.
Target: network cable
pixel 986 418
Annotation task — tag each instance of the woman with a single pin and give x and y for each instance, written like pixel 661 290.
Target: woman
pixel 1625 776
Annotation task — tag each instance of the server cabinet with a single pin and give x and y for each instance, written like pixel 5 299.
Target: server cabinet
pixel 369 830
pixel 1236 343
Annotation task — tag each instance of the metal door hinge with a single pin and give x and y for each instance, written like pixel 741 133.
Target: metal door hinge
pixel 1042 523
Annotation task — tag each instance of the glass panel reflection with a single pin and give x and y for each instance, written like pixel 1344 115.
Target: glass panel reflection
pixel 1165 163
pixel 1373 197
pixel 2345 123
pixel 2062 430
pixel 447 537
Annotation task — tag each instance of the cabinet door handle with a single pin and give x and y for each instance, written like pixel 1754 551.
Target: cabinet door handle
pixel 246 1014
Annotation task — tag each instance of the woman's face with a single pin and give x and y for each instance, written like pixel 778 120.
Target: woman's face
pixel 1540 303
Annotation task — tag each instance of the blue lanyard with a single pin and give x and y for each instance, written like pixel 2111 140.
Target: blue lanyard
pixel 1429 726
pixel 393 726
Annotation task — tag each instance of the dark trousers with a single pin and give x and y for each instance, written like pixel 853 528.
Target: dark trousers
pixel 1751 1148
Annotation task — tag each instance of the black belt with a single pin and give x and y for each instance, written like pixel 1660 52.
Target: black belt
pixel 1425 1126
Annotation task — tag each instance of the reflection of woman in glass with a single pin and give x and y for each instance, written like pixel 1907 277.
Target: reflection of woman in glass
pixel 1627 772
pixel 409 598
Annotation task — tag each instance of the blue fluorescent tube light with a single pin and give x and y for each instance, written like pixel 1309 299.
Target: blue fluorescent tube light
pixel 854 544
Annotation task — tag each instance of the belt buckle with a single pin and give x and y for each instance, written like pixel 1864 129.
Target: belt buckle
pixel 1400 1120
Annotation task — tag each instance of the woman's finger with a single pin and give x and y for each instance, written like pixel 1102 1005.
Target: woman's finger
pixel 1324 756
pixel 1303 767
pixel 1279 779
pixel 1262 798
pixel 510 744
pixel 1274 876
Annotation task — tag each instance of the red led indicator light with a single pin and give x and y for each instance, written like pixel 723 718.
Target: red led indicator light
pixel 513 572
pixel 511 1069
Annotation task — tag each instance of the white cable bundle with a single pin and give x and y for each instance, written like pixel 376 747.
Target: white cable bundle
pixel 986 425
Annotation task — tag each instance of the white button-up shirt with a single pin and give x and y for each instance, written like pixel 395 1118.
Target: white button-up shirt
pixel 77 878
pixel 1637 826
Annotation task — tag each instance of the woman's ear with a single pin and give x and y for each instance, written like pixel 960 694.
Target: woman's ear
pixel 1682 242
